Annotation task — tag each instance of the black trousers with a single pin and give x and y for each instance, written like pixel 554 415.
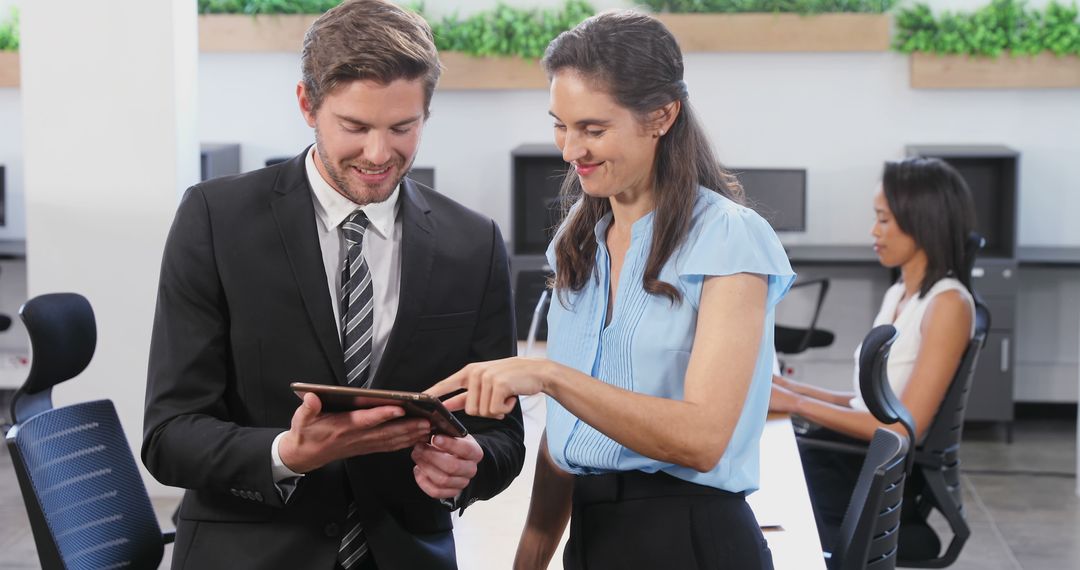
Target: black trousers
pixel 633 520
pixel 831 477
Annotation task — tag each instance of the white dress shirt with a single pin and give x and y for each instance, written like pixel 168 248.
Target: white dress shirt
pixel 381 249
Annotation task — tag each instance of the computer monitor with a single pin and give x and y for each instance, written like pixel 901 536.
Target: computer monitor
pixel 777 194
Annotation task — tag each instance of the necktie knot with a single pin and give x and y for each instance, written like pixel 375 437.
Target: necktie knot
pixel 354 226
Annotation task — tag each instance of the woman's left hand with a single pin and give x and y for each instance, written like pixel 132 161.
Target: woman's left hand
pixel 492 388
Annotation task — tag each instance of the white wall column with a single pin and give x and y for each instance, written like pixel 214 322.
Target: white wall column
pixel 109 141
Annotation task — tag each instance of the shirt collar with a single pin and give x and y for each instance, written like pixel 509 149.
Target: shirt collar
pixel 331 208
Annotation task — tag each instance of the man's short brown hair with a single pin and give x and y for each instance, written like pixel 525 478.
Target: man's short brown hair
pixel 368 40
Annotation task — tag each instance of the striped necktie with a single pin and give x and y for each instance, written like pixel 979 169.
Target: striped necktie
pixel 357 315
pixel 357 326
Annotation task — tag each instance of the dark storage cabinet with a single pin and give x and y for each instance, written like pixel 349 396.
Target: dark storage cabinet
pixel 537 172
pixel 536 175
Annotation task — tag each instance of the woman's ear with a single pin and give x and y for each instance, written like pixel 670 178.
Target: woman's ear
pixel 664 117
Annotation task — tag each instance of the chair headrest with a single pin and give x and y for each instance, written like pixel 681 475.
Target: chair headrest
pixel 974 243
pixel 982 317
pixel 873 376
pixel 63 336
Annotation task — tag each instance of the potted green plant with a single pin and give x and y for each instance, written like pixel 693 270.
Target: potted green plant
pixel 777 25
pixel 1005 44
pixel 500 48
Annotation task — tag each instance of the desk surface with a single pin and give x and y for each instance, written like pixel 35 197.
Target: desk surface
pixel 864 255
pixel 782 505
pixel 832 254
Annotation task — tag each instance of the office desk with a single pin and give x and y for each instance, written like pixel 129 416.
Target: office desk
pixel 782 504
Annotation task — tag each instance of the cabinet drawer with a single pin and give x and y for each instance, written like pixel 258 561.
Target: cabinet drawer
pixel 1002 311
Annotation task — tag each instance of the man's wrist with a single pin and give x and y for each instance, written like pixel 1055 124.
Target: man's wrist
pixel 284 450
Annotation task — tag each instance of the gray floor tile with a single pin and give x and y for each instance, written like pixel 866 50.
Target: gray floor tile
pixel 1038 445
pixel 1017 499
pixel 1040 545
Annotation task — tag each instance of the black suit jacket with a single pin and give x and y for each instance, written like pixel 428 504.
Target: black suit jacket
pixel 243 310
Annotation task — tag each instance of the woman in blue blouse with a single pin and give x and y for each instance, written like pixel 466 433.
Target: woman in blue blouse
pixel 660 343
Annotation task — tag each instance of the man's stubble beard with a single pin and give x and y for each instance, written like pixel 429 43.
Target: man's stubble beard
pixel 344 188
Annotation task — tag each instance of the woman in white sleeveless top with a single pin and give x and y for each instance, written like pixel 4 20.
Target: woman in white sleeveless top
pixel 923 214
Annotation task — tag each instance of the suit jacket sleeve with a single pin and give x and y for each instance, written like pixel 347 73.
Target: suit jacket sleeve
pixel 190 439
pixel 494 338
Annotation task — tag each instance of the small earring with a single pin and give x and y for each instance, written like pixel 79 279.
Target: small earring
pixel 661 132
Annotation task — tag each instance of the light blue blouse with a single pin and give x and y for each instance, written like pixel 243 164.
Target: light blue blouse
pixel 646 347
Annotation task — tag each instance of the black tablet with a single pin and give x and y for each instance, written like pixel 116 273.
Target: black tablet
pixel 415 404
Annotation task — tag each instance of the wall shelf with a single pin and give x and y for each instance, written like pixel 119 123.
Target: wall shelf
pixel 933 71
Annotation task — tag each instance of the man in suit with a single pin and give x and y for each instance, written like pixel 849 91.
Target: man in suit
pixel 330 268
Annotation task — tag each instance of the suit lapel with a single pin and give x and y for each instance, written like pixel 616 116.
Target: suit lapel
pixel 295 217
pixel 417 254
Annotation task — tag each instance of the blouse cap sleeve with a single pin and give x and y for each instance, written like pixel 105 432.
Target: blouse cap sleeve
pixel 727 238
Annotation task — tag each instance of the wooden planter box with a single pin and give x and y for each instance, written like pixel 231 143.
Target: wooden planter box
pixel 463 71
pixel 9 69
pixel 285 33
pixel 696 32
pixel 779 32
pixel 933 71
pixel 244 33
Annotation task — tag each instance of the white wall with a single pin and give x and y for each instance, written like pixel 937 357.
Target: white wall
pixel 838 115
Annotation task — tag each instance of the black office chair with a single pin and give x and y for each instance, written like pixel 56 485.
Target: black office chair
pixel 875 391
pixel 871 526
pixel 937 458
pixel 791 340
pixel 935 464
pixel 870 529
pixel 86 501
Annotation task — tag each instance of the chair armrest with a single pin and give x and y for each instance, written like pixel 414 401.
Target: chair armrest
pixel 842 447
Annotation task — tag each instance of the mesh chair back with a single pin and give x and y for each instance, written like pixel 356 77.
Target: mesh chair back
pixel 87 504
pixel 871 525
pixel 943 437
